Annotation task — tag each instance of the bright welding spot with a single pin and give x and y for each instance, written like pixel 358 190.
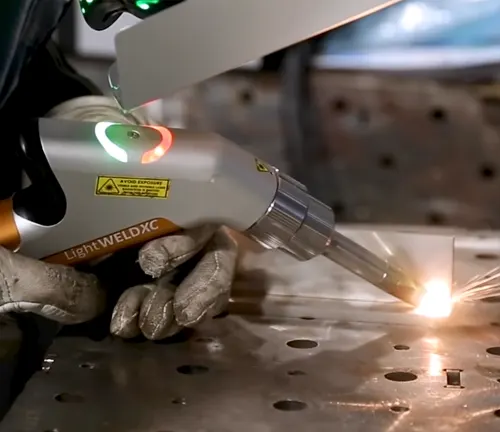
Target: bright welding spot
pixel 437 302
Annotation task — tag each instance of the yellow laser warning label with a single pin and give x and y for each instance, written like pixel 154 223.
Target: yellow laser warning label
pixel 261 167
pixel 137 187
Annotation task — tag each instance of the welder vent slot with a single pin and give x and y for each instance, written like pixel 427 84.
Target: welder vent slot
pixel 453 378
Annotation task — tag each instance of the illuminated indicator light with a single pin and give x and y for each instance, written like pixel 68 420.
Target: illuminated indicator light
pixel 111 148
pixel 159 151
pixel 146 4
pixel 90 1
pixel 83 11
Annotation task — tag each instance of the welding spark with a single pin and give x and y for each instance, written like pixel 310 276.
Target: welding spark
pixel 437 301
pixel 480 287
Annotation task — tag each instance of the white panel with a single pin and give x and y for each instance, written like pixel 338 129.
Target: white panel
pixel 91 43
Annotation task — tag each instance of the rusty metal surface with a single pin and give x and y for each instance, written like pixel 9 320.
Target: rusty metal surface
pixel 396 150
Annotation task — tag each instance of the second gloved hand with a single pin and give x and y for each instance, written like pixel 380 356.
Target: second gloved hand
pixel 160 309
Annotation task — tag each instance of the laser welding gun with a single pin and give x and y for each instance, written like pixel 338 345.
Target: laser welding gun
pixel 97 188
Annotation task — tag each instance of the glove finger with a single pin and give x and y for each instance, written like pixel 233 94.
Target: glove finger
pixel 54 291
pixel 162 255
pixel 156 319
pixel 206 290
pixel 125 318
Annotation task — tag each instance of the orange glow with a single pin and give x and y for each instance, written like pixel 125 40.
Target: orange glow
pixel 159 151
pixel 437 302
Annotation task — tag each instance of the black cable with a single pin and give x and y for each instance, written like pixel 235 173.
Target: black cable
pixel 303 145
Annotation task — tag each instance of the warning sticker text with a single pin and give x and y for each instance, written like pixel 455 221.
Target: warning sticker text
pixel 132 187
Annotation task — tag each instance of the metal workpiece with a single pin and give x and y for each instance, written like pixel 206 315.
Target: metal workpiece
pixel 261 374
pixel 177 48
pixel 314 349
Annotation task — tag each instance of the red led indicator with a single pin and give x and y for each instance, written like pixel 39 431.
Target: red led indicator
pixel 159 151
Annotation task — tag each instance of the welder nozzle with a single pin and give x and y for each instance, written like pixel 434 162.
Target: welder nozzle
pixel 373 269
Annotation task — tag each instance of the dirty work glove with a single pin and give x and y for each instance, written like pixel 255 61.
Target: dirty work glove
pixel 158 309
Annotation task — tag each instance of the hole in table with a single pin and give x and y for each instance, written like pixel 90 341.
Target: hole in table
pixel 498 380
pixel 401 347
pixel 246 97
pixel 296 373
pixel 453 378
pixel 339 105
pixel 302 344
pixel 387 161
pixel 179 401
pixel 435 218
pixel 497 413
pixel 290 405
pixel 399 408
pixel 487 256
pixel 438 114
pixel 192 369
pixel 51 430
pixel 307 318
pixel 69 398
pixel 487 172
pixel 87 365
pixel 400 376
pixel 494 351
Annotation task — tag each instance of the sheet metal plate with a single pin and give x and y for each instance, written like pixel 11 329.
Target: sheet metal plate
pixel 297 364
pixel 242 376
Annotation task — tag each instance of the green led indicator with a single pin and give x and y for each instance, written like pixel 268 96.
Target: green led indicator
pixel 90 1
pixel 111 148
pixel 146 4
pixel 83 11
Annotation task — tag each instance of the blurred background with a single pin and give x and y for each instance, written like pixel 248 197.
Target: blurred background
pixel 393 119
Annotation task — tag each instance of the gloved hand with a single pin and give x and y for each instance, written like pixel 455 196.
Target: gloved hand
pixel 158 309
